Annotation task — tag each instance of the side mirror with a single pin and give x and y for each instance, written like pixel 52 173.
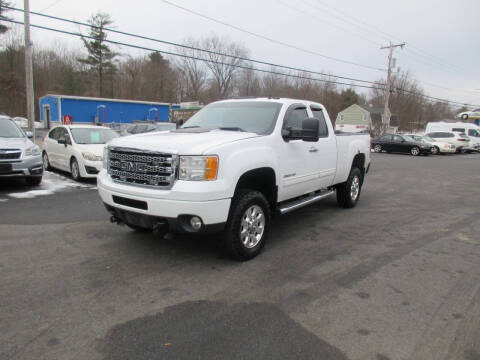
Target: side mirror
pixel 292 134
pixel 29 134
pixel 62 141
pixel 310 129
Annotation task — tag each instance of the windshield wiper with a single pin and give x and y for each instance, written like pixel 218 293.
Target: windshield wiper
pixel 231 129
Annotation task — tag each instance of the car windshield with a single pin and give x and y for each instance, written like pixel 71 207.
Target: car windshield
pixel 8 129
pixel 252 116
pixel 92 135
pixel 428 138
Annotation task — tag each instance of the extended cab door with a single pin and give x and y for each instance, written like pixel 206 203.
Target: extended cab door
pixel 325 150
pixel 299 174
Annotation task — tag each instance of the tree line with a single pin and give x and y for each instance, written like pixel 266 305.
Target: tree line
pixel 100 70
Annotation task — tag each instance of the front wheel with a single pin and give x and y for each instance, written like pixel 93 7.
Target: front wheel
pixel 348 192
pixel 378 148
pixel 248 225
pixel 46 162
pixel 75 170
pixel 415 151
pixel 435 150
pixel 33 181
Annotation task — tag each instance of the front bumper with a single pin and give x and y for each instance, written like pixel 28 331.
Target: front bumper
pixel 144 211
pixel 27 166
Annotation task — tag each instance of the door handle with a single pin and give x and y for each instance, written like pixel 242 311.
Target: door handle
pixel 313 149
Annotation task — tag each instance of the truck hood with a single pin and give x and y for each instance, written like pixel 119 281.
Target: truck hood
pixel 15 143
pixel 181 142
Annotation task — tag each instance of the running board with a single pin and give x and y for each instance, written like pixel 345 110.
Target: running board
pixel 298 203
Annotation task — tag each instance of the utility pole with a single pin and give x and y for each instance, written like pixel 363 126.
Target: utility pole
pixel 29 70
pixel 386 111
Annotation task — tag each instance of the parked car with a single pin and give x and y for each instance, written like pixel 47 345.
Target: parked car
pixel 21 122
pixel 400 144
pixel 77 149
pixel 19 156
pixel 149 127
pixel 229 167
pixel 474 114
pixel 461 141
pixel 438 146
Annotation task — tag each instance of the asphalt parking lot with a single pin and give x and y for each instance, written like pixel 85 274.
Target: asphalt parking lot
pixel 398 277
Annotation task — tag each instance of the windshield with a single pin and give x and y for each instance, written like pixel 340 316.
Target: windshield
pixel 92 135
pixel 251 116
pixel 8 129
pixel 428 138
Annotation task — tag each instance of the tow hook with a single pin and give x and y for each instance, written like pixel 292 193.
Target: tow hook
pixel 115 220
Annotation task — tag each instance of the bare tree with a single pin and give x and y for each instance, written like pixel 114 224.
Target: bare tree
pixel 223 67
pixel 3 10
pixel 193 72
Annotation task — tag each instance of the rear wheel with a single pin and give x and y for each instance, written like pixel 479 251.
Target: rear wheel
pixel 415 150
pixel 75 170
pixel 465 117
pixel 348 192
pixel 248 224
pixel 378 148
pixel 435 150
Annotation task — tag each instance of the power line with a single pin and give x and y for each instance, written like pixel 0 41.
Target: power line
pixel 194 48
pixel 50 6
pixel 243 66
pixel 278 42
pixel 196 58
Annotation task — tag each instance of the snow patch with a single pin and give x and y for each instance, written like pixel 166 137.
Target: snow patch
pixel 51 183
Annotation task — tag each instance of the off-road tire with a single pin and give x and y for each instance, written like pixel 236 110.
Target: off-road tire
pixel 345 199
pixel 243 200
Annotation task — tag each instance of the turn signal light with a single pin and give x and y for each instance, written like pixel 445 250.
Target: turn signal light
pixel 211 168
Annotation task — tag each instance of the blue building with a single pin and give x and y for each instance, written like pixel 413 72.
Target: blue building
pixel 59 109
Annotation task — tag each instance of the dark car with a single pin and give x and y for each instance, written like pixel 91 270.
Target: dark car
pixel 140 128
pixel 400 144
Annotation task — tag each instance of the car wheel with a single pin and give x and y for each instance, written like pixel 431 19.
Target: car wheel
pixel 435 150
pixel 46 162
pixel 348 192
pixel 377 148
pixel 248 225
pixel 465 116
pixel 33 181
pixel 415 150
pixel 75 170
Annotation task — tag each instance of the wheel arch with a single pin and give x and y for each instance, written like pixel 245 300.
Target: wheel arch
pixel 262 179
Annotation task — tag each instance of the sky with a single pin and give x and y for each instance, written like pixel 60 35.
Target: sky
pixel 442 50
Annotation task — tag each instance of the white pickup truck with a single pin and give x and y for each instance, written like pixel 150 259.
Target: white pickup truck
pixel 230 168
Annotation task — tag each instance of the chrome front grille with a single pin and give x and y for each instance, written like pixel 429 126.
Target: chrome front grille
pixel 142 168
pixel 10 154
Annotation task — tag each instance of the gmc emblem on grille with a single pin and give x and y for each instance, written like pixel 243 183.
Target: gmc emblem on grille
pixel 127 165
pixel 133 166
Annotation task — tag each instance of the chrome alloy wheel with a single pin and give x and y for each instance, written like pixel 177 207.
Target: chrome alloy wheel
pixel 253 226
pixel 415 151
pixel 75 170
pixel 377 148
pixel 355 188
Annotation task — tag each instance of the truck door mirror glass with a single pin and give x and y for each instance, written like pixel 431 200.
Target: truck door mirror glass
pixel 310 129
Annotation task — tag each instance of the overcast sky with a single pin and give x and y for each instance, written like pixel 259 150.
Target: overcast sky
pixel 442 36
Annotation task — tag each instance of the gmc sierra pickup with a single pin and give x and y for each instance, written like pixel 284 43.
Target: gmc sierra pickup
pixel 230 168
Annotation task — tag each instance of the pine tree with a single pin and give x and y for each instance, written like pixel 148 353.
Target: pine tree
pixel 3 4
pixel 100 58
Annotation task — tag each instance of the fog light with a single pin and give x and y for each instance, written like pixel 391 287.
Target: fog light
pixel 196 223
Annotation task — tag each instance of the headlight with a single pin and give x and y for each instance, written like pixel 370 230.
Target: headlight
pixel 32 151
pixel 198 168
pixel 105 157
pixel 91 157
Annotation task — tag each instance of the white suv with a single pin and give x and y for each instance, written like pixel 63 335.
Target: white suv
pixel 461 141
